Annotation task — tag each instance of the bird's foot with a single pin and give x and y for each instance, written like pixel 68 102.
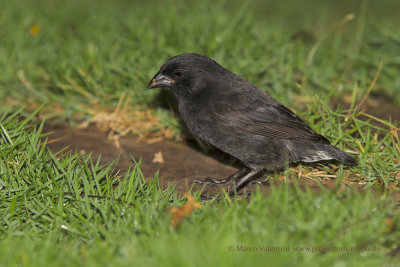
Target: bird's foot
pixel 264 183
pixel 211 181
pixel 231 193
pixel 206 196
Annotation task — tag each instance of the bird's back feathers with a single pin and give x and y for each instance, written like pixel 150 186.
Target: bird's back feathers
pixel 232 114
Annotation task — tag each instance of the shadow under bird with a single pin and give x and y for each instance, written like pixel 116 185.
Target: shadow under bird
pixel 230 113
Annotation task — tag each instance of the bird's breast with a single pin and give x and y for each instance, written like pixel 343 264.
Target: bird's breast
pixel 199 120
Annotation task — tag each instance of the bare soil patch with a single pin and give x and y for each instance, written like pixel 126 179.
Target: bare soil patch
pixel 179 162
pixel 175 162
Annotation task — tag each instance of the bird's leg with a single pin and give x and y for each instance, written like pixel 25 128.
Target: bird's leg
pixel 244 180
pixel 212 181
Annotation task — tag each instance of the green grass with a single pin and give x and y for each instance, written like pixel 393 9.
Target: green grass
pixel 102 49
pixel 73 211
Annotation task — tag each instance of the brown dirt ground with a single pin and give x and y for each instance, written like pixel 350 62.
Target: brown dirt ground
pixel 180 163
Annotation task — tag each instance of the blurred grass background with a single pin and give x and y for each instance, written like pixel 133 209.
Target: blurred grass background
pixel 79 53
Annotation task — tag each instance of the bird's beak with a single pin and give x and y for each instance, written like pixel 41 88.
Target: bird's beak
pixel 160 81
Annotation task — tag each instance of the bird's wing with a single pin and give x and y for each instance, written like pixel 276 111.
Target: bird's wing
pixel 263 115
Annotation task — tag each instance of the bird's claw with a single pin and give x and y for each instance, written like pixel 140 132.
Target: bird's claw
pixel 231 193
pixel 205 196
pixel 211 181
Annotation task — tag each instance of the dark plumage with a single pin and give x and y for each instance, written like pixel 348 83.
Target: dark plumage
pixel 230 113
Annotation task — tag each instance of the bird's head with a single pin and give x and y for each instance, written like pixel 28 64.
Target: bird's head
pixel 185 74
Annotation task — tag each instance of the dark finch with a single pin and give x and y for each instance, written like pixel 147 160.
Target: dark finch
pixel 230 113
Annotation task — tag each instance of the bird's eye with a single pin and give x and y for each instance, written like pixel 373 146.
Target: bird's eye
pixel 178 73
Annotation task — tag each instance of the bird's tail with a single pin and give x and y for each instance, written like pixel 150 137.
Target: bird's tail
pixel 342 156
pixel 312 152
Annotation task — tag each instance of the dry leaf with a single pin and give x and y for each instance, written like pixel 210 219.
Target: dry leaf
pixel 179 213
pixel 158 158
pixel 389 222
